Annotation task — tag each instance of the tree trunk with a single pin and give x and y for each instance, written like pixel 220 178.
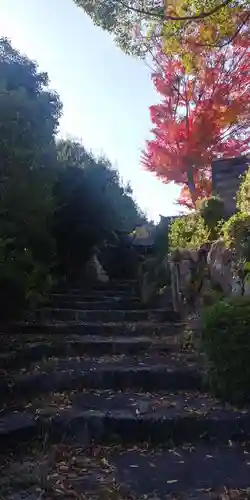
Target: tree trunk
pixel 191 185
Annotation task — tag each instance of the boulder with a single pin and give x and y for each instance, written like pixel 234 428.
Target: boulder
pixel 188 271
pixel 220 262
pixel 95 271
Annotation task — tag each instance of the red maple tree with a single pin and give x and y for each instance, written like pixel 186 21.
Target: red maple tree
pixel 201 116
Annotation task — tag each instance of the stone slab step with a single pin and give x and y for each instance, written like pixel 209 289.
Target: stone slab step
pixel 115 285
pixel 93 295
pixel 96 345
pixel 173 371
pixel 111 285
pixel 86 303
pixel 160 315
pixel 129 417
pixel 104 290
pixel 93 328
pixel 204 472
pixel 111 303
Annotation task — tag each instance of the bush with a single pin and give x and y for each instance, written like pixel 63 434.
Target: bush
pixel 225 342
pixel 212 211
pixel 22 280
pixel 211 296
pixel 13 294
pixel 243 195
pixel 154 275
pixel 236 234
pixel 188 231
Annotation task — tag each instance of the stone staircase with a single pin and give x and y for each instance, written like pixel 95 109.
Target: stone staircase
pixel 98 393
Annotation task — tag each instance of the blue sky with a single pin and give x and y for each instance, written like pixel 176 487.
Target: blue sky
pixel 106 94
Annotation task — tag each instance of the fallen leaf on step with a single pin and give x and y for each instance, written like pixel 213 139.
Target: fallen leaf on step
pixel 171 481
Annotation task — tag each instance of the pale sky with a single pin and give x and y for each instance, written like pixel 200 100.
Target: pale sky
pixel 105 94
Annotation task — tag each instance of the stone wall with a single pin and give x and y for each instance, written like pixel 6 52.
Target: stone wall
pixel 226 178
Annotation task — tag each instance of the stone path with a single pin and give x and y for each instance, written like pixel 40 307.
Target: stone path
pixel 99 400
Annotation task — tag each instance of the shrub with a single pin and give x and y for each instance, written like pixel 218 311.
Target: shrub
pixel 188 231
pixel 154 275
pixel 22 280
pixel 211 296
pixel 243 195
pixel 236 233
pixel 13 294
pixel 225 342
pixel 212 211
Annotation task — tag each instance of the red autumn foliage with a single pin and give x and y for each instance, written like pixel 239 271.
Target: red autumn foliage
pixel 203 190
pixel 201 116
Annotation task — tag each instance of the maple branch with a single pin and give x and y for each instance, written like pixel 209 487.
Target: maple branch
pixel 190 172
pixel 228 42
pixel 161 69
pixel 238 29
pixel 140 11
pixel 178 98
pixel 202 15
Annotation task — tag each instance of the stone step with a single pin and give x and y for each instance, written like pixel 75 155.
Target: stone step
pixel 111 303
pixel 111 285
pixel 99 293
pixel 103 290
pixel 63 302
pixel 91 297
pixel 129 417
pixel 98 285
pixel 159 315
pixel 204 472
pixel 33 350
pixel 92 328
pixel 172 371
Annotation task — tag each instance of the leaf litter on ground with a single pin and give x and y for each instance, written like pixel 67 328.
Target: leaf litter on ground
pixel 67 472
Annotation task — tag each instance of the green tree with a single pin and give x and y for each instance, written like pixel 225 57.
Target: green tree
pixel 91 204
pixel 29 116
pixel 243 195
pixel 184 27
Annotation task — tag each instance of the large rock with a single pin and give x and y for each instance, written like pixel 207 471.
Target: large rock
pixel 95 271
pixel 220 262
pixel 188 271
pixel 194 271
pixel 226 268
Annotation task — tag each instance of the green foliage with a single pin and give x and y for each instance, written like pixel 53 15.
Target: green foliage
pixel 29 116
pixel 243 195
pixel 119 257
pixel 57 202
pixel 161 238
pixel 188 231
pixel 210 296
pixel 29 112
pixel 212 211
pixel 125 23
pixel 23 279
pixel 91 203
pixel 154 276
pixel 181 27
pixel 225 341
pixel 154 272
pixel 236 234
